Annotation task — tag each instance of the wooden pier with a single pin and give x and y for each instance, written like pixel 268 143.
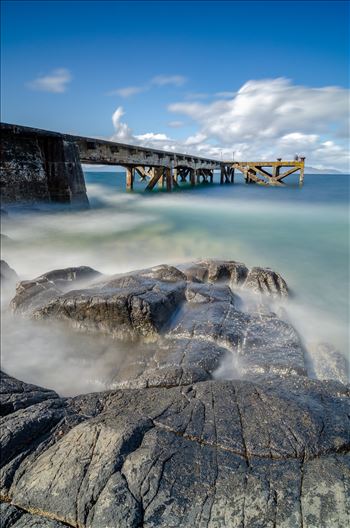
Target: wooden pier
pixel 47 165
pixel 263 172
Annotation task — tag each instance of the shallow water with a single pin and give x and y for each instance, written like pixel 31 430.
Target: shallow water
pixel 301 232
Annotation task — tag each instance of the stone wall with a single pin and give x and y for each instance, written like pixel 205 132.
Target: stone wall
pixel 39 167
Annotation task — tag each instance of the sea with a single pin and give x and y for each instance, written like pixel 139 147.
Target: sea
pixel 301 232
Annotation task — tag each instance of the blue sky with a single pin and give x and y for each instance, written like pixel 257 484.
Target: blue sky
pixel 69 65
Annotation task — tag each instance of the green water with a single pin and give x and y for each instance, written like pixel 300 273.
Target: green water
pixel 301 232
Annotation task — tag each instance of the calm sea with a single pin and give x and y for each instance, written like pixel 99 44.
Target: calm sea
pixel 301 232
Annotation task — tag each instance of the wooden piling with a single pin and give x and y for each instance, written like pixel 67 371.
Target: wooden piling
pixel 168 179
pixel 129 178
pixel 222 174
pixel 193 176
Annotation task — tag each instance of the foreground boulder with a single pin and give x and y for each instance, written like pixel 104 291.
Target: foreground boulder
pixel 183 323
pixel 173 446
pixel 215 454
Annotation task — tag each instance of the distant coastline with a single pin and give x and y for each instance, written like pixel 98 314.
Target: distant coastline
pixel 106 168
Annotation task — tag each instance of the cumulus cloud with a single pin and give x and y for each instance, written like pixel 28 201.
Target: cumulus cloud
pixel 274 117
pixel 265 119
pixel 54 82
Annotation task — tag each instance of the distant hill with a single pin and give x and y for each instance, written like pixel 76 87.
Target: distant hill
pixel 313 170
pixel 114 168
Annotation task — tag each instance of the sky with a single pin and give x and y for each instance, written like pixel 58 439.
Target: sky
pixel 243 79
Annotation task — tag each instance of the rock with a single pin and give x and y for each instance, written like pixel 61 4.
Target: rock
pixel 328 363
pixel 215 453
pixel 192 326
pixel 15 394
pixel 35 293
pixel 211 270
pixel 12 517
pixel 266 281
pixel 271 346
pixel 7 274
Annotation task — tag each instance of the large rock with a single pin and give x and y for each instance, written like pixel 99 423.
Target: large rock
pixel 183 323
pixel 267 281
pixel 214 454
pixel 171 445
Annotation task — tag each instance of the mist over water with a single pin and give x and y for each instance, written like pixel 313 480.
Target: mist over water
pixel 301 233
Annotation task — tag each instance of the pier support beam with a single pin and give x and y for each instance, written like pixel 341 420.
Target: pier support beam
pixel 157 174
pixel 168 179
pixel 193 176
pixel 174 176
pixel 129 178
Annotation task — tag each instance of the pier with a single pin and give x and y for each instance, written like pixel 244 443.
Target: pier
pixel 43 165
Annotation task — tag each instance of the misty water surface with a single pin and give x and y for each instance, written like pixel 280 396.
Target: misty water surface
pixel 302 233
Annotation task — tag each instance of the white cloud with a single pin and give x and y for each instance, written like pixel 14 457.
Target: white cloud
pixel 159 80
pixel 54 82
pixel 265 119
pixel 153 137
pixel 162 80
pixel 273 118
pixel 122 132
pixel 128 91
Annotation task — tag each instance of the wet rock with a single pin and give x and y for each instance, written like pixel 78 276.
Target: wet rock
pixel 33 294
pixel 266 281
pixel 7 274
pixel 193 325
pixel 271 346
pixel 211 270
pixel 212 453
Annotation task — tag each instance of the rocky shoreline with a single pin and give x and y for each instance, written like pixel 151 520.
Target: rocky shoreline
pixel 175 444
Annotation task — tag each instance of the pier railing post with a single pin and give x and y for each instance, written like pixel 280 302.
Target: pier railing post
pixel 301 175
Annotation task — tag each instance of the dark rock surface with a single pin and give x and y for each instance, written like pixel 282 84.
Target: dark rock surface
pixel 171 446
pixel 267 281
pixel 216 453
pixel 12 517
pixel 183 323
